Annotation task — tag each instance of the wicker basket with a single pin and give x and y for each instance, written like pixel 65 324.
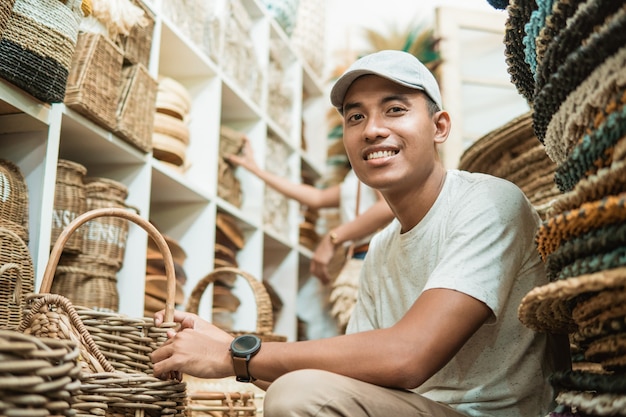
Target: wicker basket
pixel 37 44
pixel 69 202
pixel 93 85
pixel 137 44
pixel 264 318
pixel 105 237
pixel 39 376
pixel 126 341
pixel 16 278
pixel 135 111
pixel 13 198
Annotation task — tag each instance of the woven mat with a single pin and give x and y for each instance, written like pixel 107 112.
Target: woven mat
pixel 569 224
pixel 588 247
pixel 554 24
pixel 609 351
pixel 575 68
pixel 549 307
pixel 586 381
pixel 521 75
pixel 575 116
pixel 594 404
pixel 595 151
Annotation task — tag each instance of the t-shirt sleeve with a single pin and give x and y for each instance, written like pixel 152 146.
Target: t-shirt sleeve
pixel 488 240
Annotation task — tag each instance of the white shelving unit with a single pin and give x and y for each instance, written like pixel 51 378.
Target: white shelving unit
pixel 36 135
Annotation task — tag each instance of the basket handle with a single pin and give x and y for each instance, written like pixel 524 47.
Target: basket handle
pixel 57 249
pixel 264 321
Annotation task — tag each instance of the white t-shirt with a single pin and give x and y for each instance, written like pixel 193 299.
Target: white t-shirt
pixel 478 238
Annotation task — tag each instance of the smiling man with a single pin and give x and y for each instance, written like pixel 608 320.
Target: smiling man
pixel 435 329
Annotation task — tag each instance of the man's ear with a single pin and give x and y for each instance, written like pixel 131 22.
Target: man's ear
pixel 442 126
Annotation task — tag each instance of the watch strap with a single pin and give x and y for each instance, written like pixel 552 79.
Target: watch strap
pixel 240 365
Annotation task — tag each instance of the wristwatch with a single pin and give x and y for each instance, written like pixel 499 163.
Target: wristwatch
pixel 242 349
pixel 333 237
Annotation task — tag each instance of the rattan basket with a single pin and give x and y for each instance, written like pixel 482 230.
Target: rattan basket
pixel 135 111
pixel 16 278
pixel 69 202
pixel 137 44
pixel 38 376
pixel 37 44
pixel 93 85
pixel 14 198
pixel 126 341
pixel 105 237
pixel 264 319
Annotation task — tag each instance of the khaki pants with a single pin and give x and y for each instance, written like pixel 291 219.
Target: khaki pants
pixel 320 394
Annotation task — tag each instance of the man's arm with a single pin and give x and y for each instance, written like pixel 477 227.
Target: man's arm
pixel 402 356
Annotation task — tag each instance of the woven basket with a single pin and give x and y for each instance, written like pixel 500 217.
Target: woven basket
pixel 93 86
pixel 16 278
pixel 38 376
pixel 37 44
pixel 105 237
pixel 69 202
pixel 135 112
pixel 126 341
pixel 264 319
pixel 103 390
pixel 137 44
pixel 14 198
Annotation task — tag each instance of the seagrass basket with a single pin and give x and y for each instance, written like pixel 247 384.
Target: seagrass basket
pixel 136 46
pixel 13 199
pixel 69 202
pixel 264 318
pixel 17 278
pixel 38 376
pixel 135 110
pixel 105 237
pixel 93 85
pixel 126 341
pixel 37 44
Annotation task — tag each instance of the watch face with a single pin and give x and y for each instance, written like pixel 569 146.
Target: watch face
pixel 245 344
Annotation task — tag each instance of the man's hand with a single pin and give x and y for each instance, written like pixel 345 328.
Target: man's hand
pixel 198 348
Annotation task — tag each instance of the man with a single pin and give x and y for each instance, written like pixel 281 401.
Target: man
pixel 435 329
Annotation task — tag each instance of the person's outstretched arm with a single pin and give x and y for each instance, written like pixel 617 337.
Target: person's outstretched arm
pixel 308 195
pixel 368 222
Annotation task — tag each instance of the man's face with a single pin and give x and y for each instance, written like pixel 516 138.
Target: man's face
pixel 389 134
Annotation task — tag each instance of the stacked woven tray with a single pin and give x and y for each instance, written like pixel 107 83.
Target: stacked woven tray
pixel 567 59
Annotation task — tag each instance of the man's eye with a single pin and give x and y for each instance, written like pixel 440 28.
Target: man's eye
pixel 355 117
pixel 396 109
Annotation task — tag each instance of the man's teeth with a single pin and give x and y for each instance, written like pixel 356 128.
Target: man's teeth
pixel 380 154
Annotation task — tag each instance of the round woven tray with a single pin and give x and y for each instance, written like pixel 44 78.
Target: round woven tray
pixel 593 404
pixel 171 126
pixel 594 151
pixel 549 307
pixel 264 318
pixel 168 149
pixel 572 223
pixel 575 68
pixel 521 75
pixel 227 225
pixel 173 98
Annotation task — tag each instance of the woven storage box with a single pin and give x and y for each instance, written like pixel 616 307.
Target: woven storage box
pixel 16 278
pixel 135 111
pixel 264 318
pixel 37 44
pixel 105 237
pixel 137 45
pixel 38 376
pixel 126 341
pixel 93 86
pixel 13 199
pixel 69 202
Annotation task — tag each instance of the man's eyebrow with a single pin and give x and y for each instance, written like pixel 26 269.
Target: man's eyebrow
pixel 393 97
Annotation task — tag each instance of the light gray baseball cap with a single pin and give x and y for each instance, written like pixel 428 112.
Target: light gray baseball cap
pixel 398 66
